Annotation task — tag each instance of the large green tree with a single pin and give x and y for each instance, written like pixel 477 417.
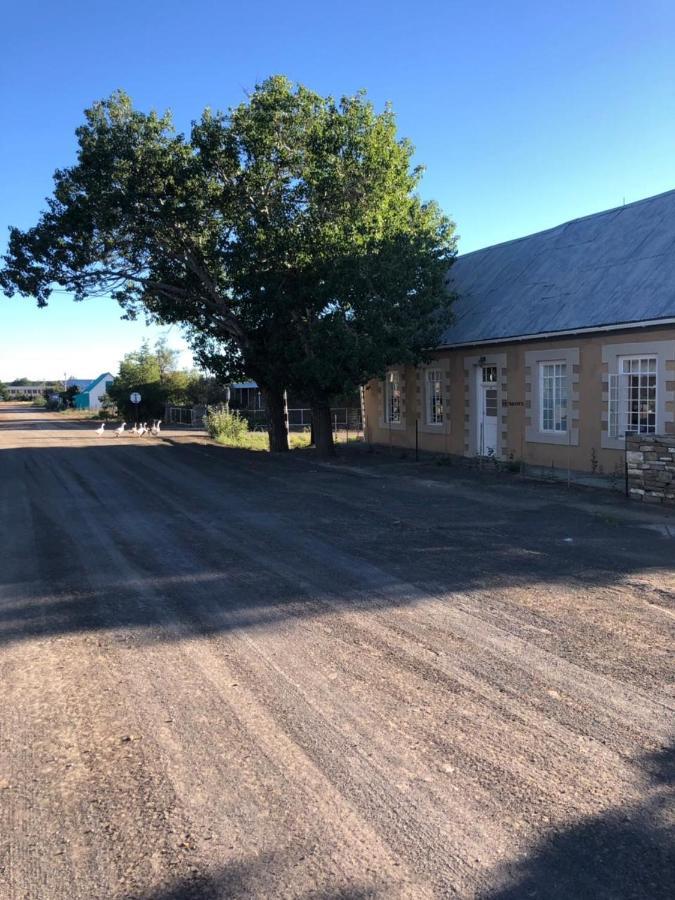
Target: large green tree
pixel 286 236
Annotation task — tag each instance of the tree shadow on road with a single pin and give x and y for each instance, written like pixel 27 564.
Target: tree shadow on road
pixel 239 880
pixel 223 888
pixel 626 853
pixel 107 537
pixel 623 854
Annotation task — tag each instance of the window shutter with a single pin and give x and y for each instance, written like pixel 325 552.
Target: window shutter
pixel 613 407
pixel 622 403
pixel 618 404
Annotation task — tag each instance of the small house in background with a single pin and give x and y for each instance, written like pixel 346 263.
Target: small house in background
pixel 246 395
pixel 93 393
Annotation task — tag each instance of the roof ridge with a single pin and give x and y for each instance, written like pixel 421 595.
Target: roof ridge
pixel 532 234
pixel 95 381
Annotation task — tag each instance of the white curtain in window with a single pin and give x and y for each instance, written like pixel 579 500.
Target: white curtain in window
pixel 434 397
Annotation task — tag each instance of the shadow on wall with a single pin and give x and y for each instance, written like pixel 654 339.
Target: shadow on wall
pixel 624 854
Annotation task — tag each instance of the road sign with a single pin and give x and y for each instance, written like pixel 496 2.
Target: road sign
pixel 135 397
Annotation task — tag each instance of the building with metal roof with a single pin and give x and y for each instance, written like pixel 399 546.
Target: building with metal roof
pixel 563 343
pixel 607 270
pixel 91 397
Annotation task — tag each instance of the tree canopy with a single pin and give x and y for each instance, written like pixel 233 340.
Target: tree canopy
pixel 155 374
pixel 147 364
pixel 286 236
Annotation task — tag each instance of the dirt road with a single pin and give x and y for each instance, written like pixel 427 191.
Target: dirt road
pixel 229 675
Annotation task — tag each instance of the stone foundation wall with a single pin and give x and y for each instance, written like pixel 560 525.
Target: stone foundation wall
pixel 651 468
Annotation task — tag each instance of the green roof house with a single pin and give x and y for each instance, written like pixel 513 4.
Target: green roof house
pixel 92 395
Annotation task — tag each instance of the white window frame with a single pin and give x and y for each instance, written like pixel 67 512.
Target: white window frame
pixel 613 436
pixel 620 397
pixel 543 365
pixel 433 399
pixel 534 420
pixel 389 417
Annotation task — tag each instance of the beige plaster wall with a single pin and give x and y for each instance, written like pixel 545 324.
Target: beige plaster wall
pixel 588 401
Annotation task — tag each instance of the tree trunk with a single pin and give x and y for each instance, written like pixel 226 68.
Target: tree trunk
pixel 322 428
pixel 277 421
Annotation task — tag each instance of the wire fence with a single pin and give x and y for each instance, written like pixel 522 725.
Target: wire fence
pixel 342 418
pixel 345 420
pixel 186 416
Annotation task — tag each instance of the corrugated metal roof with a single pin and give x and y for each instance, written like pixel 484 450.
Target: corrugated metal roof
pixel 92 384
pixel 80 383
pixel 606 269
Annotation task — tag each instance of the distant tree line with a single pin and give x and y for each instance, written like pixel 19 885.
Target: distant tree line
pixel 154 373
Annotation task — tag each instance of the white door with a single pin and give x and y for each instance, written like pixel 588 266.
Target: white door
pixel 487 411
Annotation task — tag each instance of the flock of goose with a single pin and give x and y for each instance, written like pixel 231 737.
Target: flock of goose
pixel 136 431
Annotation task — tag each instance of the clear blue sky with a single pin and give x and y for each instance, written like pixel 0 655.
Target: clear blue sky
pixel 526 114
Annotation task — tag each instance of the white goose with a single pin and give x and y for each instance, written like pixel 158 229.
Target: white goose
pixel 100 430
pixel 155 428
pixel 134 430
pixel 119 431
pixel 142 430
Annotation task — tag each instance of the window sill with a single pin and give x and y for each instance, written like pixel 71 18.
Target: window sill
pixel 435 428
pixel 568 438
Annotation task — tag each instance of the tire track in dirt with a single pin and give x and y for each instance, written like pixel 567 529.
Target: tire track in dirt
pixel 311 587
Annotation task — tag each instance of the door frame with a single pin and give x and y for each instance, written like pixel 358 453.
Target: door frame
pixel 472 399
pixel 482 387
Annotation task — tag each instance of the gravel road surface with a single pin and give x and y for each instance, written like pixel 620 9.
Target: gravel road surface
pixel 229 675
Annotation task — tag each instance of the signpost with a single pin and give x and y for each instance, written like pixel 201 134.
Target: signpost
pixel 135 398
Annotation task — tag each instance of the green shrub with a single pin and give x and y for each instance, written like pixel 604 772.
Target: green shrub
pixel 226 426
pixel 39 401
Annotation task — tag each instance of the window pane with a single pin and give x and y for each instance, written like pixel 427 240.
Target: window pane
pixel 640 394
pixel 392 411
pixel 553 396
pixel 491 402
pixel 434 397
